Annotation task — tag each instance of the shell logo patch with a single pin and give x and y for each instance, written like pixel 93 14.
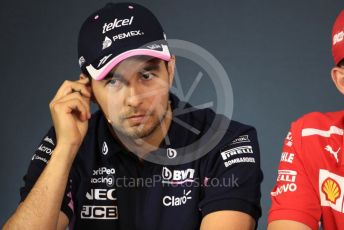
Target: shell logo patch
pixel 331 189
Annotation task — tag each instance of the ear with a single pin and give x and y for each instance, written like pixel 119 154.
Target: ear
pixel 337 74
pixel 170 69
pixel 82 76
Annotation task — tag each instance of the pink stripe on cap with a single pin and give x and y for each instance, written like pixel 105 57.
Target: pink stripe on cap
pixel 165 55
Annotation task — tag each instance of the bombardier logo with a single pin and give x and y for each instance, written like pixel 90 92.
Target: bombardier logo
pixel 117 23
pixel 177 176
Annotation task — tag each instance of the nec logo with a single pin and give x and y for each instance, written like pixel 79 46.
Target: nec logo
pixel 117 23
pixel 101 194
pixel 177 176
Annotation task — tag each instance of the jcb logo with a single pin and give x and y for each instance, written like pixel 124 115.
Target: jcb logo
pixel 99 212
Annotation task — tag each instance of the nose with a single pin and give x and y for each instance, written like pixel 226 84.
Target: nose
pixel 135 97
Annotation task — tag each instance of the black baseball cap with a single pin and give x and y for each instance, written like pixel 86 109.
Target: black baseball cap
pixel 116 32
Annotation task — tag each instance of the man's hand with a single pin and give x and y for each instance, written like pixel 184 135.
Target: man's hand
pixel 70 111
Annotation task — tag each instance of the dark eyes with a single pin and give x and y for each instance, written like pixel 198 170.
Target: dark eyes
pixel 147 75
pixel 143 76
pixel 112 82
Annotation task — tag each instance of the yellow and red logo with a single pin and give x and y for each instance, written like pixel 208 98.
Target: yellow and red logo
pixel 331 189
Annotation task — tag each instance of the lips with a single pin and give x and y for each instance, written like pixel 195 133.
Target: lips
pixel 139 115
pixel 136 118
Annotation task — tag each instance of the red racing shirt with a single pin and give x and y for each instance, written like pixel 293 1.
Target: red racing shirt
pixel 310 181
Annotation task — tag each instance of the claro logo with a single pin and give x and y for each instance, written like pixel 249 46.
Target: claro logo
pixel 175 200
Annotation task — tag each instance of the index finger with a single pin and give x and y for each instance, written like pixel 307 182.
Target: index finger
pixel 71 86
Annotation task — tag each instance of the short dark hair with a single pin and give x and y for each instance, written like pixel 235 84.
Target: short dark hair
pixel 341 63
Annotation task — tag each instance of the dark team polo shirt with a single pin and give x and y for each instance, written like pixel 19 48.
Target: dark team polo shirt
pixel 111 188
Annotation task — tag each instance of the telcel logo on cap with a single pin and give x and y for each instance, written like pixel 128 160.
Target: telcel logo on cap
pixel 117 23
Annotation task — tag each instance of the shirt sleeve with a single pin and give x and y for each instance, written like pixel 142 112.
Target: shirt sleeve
pixel 38 162
pixel 293 196
pixel 233 176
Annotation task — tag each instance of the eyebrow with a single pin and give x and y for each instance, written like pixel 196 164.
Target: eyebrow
pixel 112 75
pixel 150 65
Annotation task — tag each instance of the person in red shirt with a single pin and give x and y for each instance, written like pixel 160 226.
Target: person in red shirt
pixel 309 192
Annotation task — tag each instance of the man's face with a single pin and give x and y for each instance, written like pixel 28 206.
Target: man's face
pixel 134 95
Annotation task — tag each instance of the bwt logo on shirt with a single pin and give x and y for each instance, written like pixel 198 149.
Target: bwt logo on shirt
pixel 117 23
pixel 177 176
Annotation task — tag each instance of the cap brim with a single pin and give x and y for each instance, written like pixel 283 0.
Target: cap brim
pixel 99 74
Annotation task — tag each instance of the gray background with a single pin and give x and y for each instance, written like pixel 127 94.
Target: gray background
pixel 277 54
